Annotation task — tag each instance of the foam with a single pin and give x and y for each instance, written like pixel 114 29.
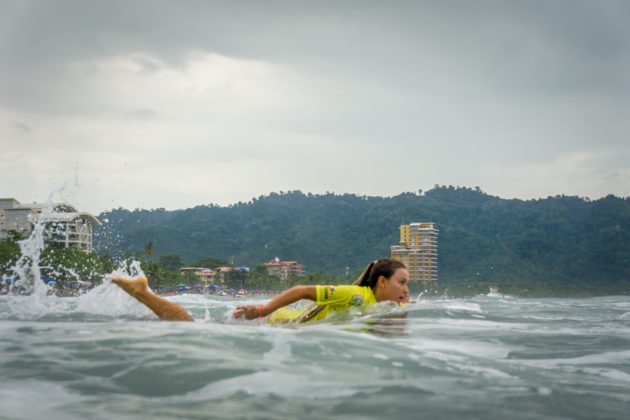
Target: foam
pixel 33 399
pixel 286 385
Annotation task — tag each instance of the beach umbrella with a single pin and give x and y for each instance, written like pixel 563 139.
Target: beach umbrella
pixel 182 287
pixel 50 280
pixel 198 286
pixel 9 279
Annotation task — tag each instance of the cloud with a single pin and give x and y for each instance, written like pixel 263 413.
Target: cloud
pixel 22 127
pixel 162 105
pixel 577 173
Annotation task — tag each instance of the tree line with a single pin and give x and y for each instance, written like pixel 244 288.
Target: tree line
pixel 560 239
pixel 69 266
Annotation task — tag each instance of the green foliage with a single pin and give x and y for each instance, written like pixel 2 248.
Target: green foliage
pixel 189 279
pixel 9 253
pixel 171 262
pixel 321 278
pixel 235 279
pixel 482 238
pixel 210 262
pixel 154 272
pixel 149 250
pixel 259 279
pixel 70 264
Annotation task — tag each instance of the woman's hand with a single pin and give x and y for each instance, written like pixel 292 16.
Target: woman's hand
pixel 247 312
pixel 283 299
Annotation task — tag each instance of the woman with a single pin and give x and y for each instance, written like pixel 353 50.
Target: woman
pixel 382 280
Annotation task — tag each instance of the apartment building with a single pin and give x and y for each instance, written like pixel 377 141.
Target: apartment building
pixel 418 250
pixel 64 224
pixel 284 269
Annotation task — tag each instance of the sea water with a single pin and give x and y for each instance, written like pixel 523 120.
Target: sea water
pixel 103 355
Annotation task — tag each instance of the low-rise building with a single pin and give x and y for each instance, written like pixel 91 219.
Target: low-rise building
pixel 285 269
pixel 212 276
pixel 206 276
pixel 64 224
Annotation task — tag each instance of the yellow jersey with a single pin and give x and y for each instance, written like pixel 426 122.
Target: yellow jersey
pixel 331 298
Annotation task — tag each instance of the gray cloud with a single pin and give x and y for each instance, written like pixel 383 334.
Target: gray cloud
pixel 142 114
pixel 22 127
pixel 285 95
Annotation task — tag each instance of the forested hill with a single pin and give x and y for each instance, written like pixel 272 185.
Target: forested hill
pixel 482 238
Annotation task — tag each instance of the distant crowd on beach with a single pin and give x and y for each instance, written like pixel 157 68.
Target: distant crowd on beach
pixel 174 291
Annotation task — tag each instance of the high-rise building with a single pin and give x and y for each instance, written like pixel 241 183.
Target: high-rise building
pixel 418 250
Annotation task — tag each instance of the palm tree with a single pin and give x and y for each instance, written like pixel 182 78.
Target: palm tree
pixel 149 251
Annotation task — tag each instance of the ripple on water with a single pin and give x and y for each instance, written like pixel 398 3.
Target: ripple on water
pixel 435 358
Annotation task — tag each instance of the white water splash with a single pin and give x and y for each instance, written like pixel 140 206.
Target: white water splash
pixel 27 268
pixel 30 298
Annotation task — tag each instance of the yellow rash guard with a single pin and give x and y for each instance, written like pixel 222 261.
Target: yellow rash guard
pixel 333 298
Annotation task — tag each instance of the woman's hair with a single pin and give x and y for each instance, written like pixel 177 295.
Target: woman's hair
pixel 384 267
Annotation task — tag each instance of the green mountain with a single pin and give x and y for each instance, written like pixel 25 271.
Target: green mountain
pixel 482 237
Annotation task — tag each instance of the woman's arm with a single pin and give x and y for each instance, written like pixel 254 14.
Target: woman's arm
pixel 283 299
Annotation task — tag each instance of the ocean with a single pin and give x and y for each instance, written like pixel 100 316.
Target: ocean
pixel 102 355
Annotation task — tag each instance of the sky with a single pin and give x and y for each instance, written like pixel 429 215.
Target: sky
pixel 163 104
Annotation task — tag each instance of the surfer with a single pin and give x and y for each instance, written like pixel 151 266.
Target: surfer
pixel 382 280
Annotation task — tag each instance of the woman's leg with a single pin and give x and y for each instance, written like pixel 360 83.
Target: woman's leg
pixel 138 287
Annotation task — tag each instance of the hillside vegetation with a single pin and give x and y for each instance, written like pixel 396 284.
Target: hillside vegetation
pixel 482 238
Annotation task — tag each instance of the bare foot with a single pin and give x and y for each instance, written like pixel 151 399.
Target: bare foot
pixel 133 286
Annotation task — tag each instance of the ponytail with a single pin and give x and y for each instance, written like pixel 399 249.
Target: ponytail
pixel 373 271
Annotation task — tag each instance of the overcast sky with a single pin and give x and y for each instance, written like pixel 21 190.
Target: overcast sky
pixel 179 103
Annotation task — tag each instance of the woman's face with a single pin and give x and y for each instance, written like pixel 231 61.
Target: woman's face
pixel 395 288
